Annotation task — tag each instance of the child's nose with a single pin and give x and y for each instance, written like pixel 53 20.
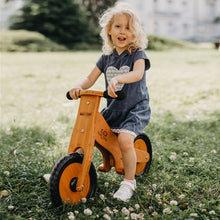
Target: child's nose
pixel 122 30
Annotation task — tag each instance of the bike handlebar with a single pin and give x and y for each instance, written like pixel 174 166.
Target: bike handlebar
pixel 120 95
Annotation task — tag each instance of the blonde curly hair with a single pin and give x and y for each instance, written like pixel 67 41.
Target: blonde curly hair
pixel 140 39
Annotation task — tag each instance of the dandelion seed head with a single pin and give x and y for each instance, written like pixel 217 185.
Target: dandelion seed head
pixel 106 184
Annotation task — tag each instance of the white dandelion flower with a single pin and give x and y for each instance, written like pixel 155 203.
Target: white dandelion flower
pixel 185 154
pixel 154 213
pixel 173 203
pixel 194 214
pixel 213 152
pixel 191 159
pixel 172 157
pixel 158 196
pixel 134 216
pixel 125 211
pixel 137 206
pixel 11 207
pixel 212 212
pixel 88 212
pixel 102 197
pixel 141 216
pixel 167 211
pixel 154 186
pixel 107 217
pixel 106 184
pixel 84 200
pixel 7 173
pixel 189 185
pixel 181 196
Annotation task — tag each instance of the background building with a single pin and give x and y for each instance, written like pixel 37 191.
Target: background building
pixel 181 19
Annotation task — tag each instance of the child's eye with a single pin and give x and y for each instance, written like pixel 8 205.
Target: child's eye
pixel 117 26
pixel 127 28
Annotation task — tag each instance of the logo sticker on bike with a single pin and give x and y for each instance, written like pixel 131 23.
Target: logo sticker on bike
pixel 103 134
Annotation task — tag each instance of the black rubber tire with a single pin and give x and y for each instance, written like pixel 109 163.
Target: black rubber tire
pixel 147 142
pixel 59 169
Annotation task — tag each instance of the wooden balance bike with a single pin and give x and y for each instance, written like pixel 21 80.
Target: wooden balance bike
pixel 74 176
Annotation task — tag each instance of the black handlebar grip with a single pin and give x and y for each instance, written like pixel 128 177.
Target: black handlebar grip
pixel 68 96
pixel 120 95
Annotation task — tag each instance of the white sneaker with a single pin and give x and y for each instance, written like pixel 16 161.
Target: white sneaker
pixel 125 191
pixel 46 177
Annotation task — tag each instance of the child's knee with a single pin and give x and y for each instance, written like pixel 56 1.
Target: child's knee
pixel 126 141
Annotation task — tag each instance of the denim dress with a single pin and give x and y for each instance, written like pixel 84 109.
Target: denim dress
pixel 132 114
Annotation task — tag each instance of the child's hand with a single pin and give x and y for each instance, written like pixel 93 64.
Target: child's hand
pixel 112 87
pixel 74 92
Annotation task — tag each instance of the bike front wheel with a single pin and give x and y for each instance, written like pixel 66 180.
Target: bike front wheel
pixel 64 178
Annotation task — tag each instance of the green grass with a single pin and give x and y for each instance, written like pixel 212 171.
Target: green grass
pixel 24 41
pixel 37 121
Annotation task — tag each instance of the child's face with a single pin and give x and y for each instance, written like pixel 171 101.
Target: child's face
pixel 120 32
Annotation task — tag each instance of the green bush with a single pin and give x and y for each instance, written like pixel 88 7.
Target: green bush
pixel 24 41
pixel 156 42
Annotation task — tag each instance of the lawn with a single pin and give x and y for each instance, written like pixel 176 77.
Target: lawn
pixel 37 121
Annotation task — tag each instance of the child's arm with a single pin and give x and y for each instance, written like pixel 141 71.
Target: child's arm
pixel 130 77
pixel 86 83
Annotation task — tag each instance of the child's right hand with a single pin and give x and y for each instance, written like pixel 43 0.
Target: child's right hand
pixel 74 92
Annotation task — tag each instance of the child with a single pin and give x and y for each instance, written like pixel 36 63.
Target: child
pixel 123 63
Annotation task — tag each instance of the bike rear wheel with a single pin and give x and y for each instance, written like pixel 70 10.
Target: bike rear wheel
pixel 142 142
pixel 64 177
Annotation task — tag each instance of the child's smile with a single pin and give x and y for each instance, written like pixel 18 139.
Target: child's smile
pixel 120 32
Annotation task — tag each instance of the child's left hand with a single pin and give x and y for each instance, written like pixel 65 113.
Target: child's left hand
pixel 112 87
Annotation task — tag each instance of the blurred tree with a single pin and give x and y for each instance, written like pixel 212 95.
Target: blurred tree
pixel 63 21
pixel 96 7
pixel 69 22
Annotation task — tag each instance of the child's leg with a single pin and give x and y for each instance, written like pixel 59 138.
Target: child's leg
pixel 127 187
pixel 126 143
